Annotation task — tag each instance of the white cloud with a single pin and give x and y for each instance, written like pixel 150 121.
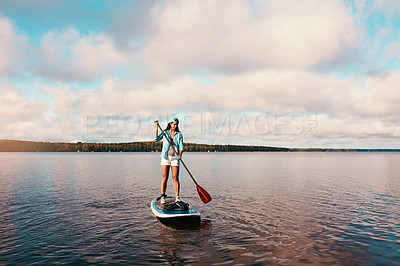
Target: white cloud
pixel 269 91
pixel 230 37
pixel 217 58
pixel 14 107
pixel 382 96
pixel 122 110
pixel 273 91
pixel 13 47
pixel 70 56
pixel 266 91
pixel 19 117
pixel 346 108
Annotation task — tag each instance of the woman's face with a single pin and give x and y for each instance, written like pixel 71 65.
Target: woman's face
pixel 174 125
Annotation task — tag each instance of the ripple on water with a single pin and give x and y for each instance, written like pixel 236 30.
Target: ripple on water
pixel 266 209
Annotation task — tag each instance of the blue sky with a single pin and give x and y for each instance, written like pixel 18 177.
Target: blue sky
pixel 280 73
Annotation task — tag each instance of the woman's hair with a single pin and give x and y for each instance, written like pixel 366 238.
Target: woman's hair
pixel 169 126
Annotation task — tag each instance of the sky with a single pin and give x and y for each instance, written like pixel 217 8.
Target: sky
pixel 285 73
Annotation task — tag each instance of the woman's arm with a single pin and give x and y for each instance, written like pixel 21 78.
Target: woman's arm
pixel 156 136
pixel 156 131
pixel 180 143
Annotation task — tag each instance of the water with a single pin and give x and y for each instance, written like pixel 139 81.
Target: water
pixel 289 208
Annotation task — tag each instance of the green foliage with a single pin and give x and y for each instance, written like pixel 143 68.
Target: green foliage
pixel 147 146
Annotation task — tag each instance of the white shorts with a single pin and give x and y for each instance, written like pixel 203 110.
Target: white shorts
pixel 170 161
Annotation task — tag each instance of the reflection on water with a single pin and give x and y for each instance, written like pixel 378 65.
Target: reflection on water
pixel 289 208
pixel 176 245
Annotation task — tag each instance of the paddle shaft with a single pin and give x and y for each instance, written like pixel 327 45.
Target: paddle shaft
pixel 184 165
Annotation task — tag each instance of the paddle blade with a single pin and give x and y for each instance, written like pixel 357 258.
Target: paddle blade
pixel 204 196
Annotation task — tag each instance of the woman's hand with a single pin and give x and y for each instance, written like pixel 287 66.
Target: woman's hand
pixel 180 155
pixel 156 123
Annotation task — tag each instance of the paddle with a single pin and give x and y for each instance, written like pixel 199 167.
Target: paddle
pixel 203 194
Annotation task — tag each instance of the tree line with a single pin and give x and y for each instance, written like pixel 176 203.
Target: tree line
pixel 145 146
pixel 150 146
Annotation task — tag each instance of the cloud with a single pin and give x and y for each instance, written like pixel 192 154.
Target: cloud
pixel 267 91
pixel 244 60
pixel 350 108
pixel 59 118
pixel 13 47
pixel 14 107
pixel 240 36
pixel 280 108
pixel 388 6
pixel 380 97
pixel 71 56
pixel 378 21
pixel 392 51
pixel 131 23
pixel 273 91
pixel 19 116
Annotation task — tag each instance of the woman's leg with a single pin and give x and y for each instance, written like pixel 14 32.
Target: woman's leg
pixel 175 176
pixel 165 174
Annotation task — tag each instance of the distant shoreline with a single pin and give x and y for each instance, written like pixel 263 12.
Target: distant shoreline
pixel 150 146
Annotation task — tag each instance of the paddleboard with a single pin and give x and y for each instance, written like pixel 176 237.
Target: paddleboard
pixel 171 213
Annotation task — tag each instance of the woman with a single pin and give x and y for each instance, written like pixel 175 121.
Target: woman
pixel 168 155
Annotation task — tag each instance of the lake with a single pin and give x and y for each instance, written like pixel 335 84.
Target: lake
pixel 267 208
